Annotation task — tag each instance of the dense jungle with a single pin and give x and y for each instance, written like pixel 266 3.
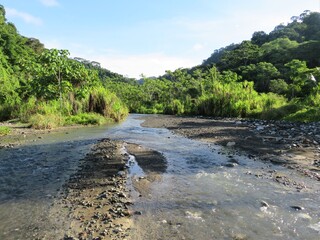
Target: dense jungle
pixel 271 76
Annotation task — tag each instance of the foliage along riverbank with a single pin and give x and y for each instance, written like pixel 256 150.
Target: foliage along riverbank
pixel 46 88
pixel 271 76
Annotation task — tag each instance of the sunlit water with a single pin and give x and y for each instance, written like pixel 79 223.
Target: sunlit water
pixel 199 198
pixel 196 198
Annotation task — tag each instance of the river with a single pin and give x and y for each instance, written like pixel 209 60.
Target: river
pixel 197 197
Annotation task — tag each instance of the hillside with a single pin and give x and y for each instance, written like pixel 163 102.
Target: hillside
pixel 46 88
pixel 272 76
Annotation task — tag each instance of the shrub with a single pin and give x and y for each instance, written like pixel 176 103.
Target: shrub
pixel 87 119
pixel 27 109
pixel 104 102
pixel 48 121
pixel 4 130
pixel 280 112
pixel 308 114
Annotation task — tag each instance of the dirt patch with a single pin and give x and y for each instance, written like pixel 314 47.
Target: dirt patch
pixel 292 145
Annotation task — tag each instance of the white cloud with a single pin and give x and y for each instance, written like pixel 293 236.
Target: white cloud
pixel 198 46
pixel 26 17
pixel 153 64
pixel 50 3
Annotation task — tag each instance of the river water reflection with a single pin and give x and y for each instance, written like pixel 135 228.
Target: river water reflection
pixel 196 198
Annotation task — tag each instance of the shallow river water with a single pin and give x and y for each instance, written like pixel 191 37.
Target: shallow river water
pixel 198 197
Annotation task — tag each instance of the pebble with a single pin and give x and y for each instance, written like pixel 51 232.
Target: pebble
pixel 298 134
pixel 231 164
pixel 264 204
pixel 231 144
pixel 298 208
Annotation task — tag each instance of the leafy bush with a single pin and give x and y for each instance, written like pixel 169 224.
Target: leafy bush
pixel 4 130
pixel 104 102
pixel 87 119
pixel 48 121
pixel 27 109
pixel 280 112
pixel 176 107
pixel 308 114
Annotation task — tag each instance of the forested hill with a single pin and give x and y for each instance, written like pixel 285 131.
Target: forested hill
pixel 299 39
pixel 273 76
pixel 46 88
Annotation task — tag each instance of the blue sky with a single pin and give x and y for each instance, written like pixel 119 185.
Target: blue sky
pixel 134 37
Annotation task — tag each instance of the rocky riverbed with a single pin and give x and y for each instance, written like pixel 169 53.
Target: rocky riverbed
pixel 294 145
pixel 97 198
pixel 96 202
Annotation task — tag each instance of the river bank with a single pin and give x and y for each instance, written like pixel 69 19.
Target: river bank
pixel 293 145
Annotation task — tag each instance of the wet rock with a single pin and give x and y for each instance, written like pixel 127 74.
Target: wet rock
pixel 232 160
pixel 264 204
pixel 230 164
pixel 297 208
pixel 259 128
pixel 278 161
pixel 122 194
pixel 231 144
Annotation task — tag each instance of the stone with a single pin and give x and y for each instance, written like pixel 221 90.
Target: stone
pixel 298 208
pixel 231 144
pixel 231 164
pixel 264 204
pixel 259 128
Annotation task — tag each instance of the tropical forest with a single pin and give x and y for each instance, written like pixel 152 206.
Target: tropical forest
pixel 273 75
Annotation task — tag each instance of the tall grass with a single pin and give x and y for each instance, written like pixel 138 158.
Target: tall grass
pixel 46 121
pixel 107 104
pixel 98 107
pixel 86 119
pixel 236 100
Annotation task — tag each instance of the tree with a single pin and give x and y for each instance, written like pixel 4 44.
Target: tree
pixel 299 75
pixel 246 53
pixel 278 51
pixel 278 86
pixel 312 22
pixel 259 38
pixel 261 74
pixel 54 64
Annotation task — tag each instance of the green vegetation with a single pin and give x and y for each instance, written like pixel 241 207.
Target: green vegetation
pixel 4 130
pixel 87 119
pixel 47 89
pixel 272 76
